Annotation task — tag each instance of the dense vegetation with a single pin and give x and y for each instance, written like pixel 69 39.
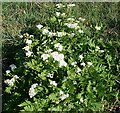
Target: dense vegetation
pixel 61 57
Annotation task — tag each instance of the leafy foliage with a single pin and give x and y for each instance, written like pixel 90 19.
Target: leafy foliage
pixel 63 65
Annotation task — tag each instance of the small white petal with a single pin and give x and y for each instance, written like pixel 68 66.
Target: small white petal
pixel 7 71
pixel 28 53
pixel 28 41
pixel 13 67
pixel 97 27
pixel 81 57
pixel 45 56
pixel 39 26
pixel 89 63
pixel 83 64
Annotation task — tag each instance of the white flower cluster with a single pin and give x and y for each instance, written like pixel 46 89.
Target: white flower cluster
pixel 78 70
pixel 48 51
pixel 28 41
pixel 63 96
pixel 81 57
pixel 70 19
pixel 56 56
pixel 50 75
pixel 60 5
pixel 89 63
pixel 27 48
pixel 7 72
pixel 81 19
pixel 98 49
pixel 97 27
pixel 72 25
pixel 53 83
pixel 82 64
pixel 39 26
pixel 58 14
pixel 72 34
pixel 13 67
pixel 11 81
pixel 60 58
pixel 45 56
pixel 61 34
pixel 45 31
pixel 74 64
pixel 80 31
pixel 32 92
pixel 70 5
pixel 58 46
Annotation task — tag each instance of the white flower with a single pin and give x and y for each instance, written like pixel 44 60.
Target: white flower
pixel 50 75
pixel 26 34
pixel 28 41
pixel 61 92
pixel 74 82
pixel 63 14
pixel 82 64
pixel 57 13
pixel 78 70
pixel 71 5
pixel 28 53
pixel 60 34
pixel 101 51
pixel 60 5
pixel 72 25
pixel 82 19
pixel 54 34
pixel 81 57
pixel 70 19
pixel 57 57
pixel 48 51
pixel 80 31
pixel 26 48
pixel 50 34
pixel 21 36
pixel 60 57
pixel 97 27
pixel 74 64
pixel 7 71
pixel 62 63
pixel 64 96
pixel 55 54
pixel 39 26
pixel 59 46
pixel 13 67
pixel 31 36
pixel 10 82
pixel 45 31
pixel 81 100
pixel 53 83
pixel 72 34
pixel 34 85
pixel 15 77
pixel 97 48
pixel 89 63
pixel 32 92
pixel 45 56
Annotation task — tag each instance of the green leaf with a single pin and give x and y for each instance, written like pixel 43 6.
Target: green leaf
pixel 52 96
